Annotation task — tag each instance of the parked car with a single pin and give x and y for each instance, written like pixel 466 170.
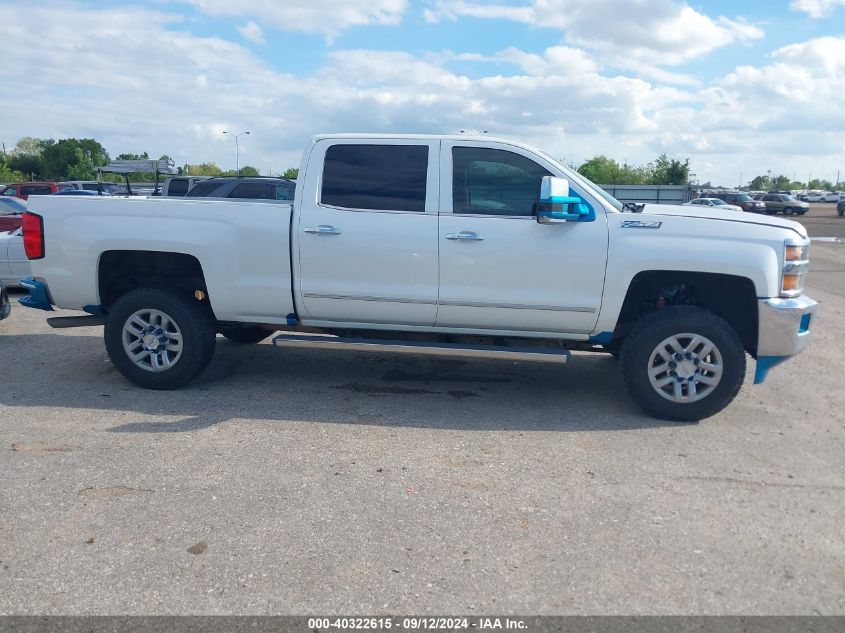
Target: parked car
pixel 832 196
pixel 782 203
pixel 410 244
pixel 88 185
pixel 180 185
pixel 14 265
pixel 11 212
pixel 840 206
pixel 718 203
pixel 741 200
pixel 23 190
pixel 815 196
pixel 5 306
pixel 246 188
pixel 79 192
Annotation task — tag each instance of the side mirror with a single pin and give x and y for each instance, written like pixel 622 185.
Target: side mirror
pixel 556 205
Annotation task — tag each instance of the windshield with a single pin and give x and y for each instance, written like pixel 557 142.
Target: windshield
pixel 718 202
pixel 9 206
pixel 743 197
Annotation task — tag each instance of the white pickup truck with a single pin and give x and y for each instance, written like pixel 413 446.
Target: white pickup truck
pixel 441 245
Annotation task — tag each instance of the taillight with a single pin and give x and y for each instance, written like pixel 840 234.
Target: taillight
pixel 33 235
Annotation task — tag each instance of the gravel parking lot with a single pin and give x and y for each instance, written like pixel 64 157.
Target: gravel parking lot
pixel 314 482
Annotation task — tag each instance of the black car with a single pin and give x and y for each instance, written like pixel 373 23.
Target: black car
pixel 840 206
pixel 5 306
pixel 244 188
pixel 742 200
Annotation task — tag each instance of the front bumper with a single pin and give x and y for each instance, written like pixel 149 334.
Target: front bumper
pixel 783 331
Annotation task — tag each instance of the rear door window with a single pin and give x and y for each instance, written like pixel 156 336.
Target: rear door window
pixel 254 190
pixel 375 177
pixel 38 190
pixel 205 189
pixel 178 187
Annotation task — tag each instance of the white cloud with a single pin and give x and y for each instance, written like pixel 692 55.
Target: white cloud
pixel 329 17
pixel 816 8
pixel 252 32
pixel 556 60
pixel 628 35
pixel 755 118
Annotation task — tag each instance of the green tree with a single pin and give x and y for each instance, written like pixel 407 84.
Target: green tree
pixel 781 182
pixel 73 159
pixel 202 169
pixel 759 183
pixel 246 170
pixel 291 172
pixel 7 174
pixel 600 170
pixel 670 171
pixel 816 183
pixel 130 156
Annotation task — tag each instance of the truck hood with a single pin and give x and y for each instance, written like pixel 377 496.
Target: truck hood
pixel 725 216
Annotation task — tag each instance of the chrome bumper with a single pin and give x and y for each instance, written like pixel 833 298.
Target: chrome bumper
pixel 783 331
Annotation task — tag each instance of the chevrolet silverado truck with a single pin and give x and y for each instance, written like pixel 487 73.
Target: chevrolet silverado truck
pixel 438 245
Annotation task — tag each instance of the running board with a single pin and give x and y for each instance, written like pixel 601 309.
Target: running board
pixel 501 352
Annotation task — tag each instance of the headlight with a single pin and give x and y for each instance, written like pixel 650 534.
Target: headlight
pixel 796 262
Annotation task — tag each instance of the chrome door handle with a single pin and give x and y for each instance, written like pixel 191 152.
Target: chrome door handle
pixel 323 229
pixel 465 236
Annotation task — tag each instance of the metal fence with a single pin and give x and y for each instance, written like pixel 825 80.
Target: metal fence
pixel 660 194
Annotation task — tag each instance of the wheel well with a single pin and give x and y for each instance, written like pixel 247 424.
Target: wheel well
pixel 731 297
pixel 122 271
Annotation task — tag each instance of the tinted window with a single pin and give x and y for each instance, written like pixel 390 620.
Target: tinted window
pixel 204 189
pixel 494 182
pixel 178 187
pixel 36 190
pixel 285 192
pixel 380 177
pixel 90 186
pixel 769 198
pixel 258 190
pixel 9 191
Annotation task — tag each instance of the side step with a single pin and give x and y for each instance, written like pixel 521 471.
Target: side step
pixel 459 350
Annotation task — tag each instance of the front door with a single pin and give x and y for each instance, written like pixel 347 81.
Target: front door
pixel 499 268
pixel 367 233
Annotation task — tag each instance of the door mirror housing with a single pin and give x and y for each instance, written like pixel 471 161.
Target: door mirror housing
pixel 556 205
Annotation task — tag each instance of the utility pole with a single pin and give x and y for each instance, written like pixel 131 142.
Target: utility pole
pixel 237 151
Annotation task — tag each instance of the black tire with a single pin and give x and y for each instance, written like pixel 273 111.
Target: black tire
pixel 645 339
pixel 841 211
pixel 193 321
pixel 245 335
pixel 787 210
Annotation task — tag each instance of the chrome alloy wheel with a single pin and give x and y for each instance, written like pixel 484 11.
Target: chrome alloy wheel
pixel 152 340
pixel 685 368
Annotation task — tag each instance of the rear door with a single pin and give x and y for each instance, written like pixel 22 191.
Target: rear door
pixel 499 268
pixel 367 232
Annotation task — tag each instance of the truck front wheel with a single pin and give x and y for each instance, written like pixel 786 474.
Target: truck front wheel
pixel 683 363
pixel 158 339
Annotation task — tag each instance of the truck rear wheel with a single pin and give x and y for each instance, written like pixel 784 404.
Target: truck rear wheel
pixel 158 339
pixel 683 363
pixel 245 335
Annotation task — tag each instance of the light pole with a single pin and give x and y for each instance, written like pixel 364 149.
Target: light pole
pixel 237 151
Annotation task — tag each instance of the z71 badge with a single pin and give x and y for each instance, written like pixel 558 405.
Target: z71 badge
pixel 639 224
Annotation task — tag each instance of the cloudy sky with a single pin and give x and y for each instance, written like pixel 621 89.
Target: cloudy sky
pixel 738 87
